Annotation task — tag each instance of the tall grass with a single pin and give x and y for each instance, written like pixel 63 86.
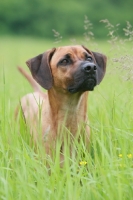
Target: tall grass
pixel 107 170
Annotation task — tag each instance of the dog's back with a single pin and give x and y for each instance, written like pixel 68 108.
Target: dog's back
pixel 31 103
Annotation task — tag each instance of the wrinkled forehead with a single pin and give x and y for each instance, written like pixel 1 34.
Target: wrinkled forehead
pixel 76 51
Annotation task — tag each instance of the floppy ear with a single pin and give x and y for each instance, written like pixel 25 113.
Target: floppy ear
pixel 40 69
pixel 101 65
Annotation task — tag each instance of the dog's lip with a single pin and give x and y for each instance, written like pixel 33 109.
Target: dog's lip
pixel 92 84
pixel 72 90
pixel 91 81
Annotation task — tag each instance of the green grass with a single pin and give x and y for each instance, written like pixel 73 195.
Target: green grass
pixel 107 175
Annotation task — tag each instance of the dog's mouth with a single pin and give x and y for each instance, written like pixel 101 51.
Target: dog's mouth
pixel 85 85
pixel 90 84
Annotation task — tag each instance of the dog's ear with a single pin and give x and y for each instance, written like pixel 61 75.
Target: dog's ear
pixel 101 65
pixel 40 68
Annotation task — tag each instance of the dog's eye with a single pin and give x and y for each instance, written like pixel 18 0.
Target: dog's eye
pixel 64 62
pixel 88 58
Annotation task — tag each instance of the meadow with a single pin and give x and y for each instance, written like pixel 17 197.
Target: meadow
pixel 106 172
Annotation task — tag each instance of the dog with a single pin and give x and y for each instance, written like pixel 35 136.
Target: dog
pixel 68 73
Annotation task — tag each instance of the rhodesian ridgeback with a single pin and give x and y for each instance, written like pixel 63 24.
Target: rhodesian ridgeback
pixel 67 73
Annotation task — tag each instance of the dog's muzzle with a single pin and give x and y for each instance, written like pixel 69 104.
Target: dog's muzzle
pixel 85 79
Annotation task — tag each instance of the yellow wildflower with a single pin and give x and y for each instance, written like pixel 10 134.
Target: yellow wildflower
pixel 83 163
pixel 129 155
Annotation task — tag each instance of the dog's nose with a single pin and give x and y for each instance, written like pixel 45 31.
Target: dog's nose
pixel 89 67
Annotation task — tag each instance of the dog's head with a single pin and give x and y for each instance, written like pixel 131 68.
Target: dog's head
pixel 70 68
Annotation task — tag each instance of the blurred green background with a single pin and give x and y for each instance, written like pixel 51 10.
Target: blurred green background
pixel 40 17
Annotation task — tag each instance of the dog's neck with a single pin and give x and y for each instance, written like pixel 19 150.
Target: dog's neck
pixel 68 107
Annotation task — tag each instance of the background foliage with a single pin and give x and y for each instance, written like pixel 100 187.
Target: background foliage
pixel 40 17
pixel 108 173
